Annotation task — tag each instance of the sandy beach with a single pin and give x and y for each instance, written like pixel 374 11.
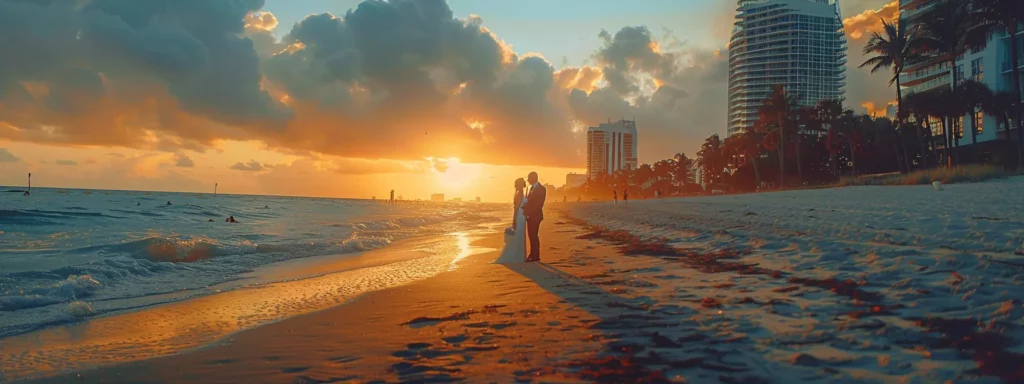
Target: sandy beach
pixel 867 284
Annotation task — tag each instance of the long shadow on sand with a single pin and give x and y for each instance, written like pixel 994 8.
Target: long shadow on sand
pixel 643 339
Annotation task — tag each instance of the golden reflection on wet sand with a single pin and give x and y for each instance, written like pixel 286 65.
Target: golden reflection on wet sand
pixel 175 327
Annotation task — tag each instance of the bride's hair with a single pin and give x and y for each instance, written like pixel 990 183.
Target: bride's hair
pixel 520 183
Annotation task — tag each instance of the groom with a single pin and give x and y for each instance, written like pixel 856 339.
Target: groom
pixel 534 211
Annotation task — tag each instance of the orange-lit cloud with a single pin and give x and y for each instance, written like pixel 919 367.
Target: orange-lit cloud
pixel 861 25
pixel 264 21
pixel 387 92
pixel 877 111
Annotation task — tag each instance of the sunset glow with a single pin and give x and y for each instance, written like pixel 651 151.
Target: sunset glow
pixel 296 117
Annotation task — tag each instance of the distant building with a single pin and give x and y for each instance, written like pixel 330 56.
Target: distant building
pixel 989 65
pixel 610 147
pixel 798 44
pixel 478 199
pixel 574 180
pixel 457 200
pixel 437 197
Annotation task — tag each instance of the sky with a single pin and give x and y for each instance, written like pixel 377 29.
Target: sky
pixel 341 98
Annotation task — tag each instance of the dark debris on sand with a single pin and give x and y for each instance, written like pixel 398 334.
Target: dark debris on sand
pixel 984 346
pixel 708 262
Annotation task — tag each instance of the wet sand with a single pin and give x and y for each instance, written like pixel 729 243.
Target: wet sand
pixel 481 322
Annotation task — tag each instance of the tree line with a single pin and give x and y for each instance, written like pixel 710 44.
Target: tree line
pixel 793 143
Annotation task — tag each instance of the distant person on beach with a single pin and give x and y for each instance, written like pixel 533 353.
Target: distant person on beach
pixel 392 200
pixel 533 209
pixel 579 199
pixel 615 198
pixel 625 196
pixel 564 198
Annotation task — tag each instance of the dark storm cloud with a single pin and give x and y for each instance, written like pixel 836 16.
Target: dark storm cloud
pixel 686 105
pixel 91 58
pixel 400 79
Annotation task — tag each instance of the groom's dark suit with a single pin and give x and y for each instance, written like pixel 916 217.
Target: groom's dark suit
pixel 534 211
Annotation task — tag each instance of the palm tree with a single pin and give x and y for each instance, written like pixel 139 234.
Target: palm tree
pixel 973 95
pixel 683 169
pixel 1001 106
pixel 643 175
pixel 849 127
pixel 663 171
pixel 1005 15
pixel 829 112
pixel 920 106
pixel 710 159
pixel 746 144
pixel 897 48
pixel 777 109
pixel 947 32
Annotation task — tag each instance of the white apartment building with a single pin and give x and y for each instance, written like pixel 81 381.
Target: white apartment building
pixel 799 44
pixel 989 66
pixel 610 147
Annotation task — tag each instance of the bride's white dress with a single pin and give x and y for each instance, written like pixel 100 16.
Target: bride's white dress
pixel 515 243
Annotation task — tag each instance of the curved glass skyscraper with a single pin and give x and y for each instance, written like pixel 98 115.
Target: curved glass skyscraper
pixel 799 44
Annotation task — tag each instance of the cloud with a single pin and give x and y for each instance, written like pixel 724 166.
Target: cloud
pixel 182 160
pixel 402 80
pixel 262 21
pixel 861 25
pixel 864 89
pixel 7 157
pixel 66 162
pixel 251 166
pixel 440 165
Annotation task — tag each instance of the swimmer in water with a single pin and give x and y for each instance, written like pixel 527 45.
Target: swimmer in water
pixel 168 202
pixel 231 219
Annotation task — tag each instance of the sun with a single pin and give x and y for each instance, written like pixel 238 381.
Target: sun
pixel 454 176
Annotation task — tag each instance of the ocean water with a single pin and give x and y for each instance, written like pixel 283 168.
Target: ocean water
pixel 66 255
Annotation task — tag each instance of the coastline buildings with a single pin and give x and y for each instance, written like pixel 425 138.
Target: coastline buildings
pixel 799 44
pixel 574 180
pixel 611 146
pixel 990 66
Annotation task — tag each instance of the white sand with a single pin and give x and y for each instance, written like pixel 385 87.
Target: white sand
pixel 953 254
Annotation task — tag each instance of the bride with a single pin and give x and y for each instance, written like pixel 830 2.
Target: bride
pixel 515 236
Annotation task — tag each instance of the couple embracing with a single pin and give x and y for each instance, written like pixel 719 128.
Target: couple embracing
pixel 527 215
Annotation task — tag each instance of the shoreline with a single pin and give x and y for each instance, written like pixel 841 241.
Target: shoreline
pixel 466 321
pixel 278 292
